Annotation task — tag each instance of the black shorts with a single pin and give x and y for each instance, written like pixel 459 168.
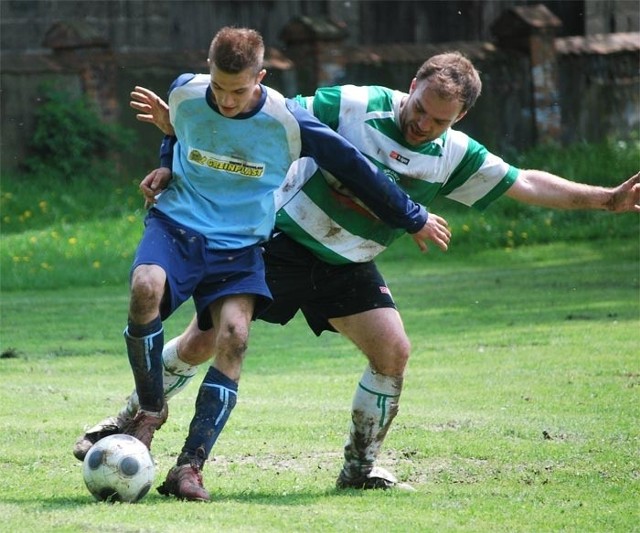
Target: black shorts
pixel 298 280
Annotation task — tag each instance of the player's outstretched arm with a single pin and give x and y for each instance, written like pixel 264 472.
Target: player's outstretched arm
pixel 541 188
pixel 151 108
pixel 436 230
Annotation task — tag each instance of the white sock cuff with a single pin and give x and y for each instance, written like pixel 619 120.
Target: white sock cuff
pixel 172 363
pixel 380 383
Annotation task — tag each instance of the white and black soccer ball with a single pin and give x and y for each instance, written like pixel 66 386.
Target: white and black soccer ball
pixel 118 468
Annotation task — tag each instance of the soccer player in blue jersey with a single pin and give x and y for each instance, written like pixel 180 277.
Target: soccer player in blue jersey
pixel 234 145
pixel 410 136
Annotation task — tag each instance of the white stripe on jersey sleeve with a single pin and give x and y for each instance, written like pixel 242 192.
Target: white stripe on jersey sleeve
pixel 482 182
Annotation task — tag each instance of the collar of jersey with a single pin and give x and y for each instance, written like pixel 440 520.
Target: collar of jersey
pixel 434 148
pixel 212 104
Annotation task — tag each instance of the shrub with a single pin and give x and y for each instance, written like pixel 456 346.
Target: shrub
pixel 70 138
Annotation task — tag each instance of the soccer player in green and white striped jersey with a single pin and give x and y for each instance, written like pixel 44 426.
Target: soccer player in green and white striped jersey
pixel 320 259
pixel 328 219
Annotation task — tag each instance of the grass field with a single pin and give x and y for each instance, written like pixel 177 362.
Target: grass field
pixel 521 408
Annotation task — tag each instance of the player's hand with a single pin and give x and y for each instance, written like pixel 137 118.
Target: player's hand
pixel 626 196
pixel 152 109
pixel 435 230
pixel 153 184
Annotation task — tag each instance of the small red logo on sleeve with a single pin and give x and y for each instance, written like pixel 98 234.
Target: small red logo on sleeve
pixel 398 157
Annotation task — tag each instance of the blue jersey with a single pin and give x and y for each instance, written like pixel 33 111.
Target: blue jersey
pixel 228 173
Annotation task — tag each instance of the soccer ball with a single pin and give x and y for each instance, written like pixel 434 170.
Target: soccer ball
pixel 118 468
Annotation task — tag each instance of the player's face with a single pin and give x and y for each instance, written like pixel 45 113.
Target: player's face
pixel 235 93
pixel 424 115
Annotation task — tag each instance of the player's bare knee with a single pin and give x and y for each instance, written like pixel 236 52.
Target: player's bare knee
pixel 233 340
pixel 391 357
pixel 147 282
pixel 400 350
pixel 146 295
pixel 404 350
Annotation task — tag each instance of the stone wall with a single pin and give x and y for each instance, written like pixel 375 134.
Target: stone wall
pixel 118 44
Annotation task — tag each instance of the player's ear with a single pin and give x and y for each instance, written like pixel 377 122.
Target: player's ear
pixel 460 117
pixel 412 86
pixel 261 75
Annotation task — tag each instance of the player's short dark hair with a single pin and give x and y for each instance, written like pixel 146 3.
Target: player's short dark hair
pixel 452 75
pixel 233 50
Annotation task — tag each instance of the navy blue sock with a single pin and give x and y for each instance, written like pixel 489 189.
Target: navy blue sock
pixel 216 399
pixel 144 347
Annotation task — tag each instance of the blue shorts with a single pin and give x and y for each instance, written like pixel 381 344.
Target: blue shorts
pixel 194 270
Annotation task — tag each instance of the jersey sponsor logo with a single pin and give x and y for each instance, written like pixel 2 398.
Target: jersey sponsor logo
pixel 226 164
pixel 384 290
pixel 399 157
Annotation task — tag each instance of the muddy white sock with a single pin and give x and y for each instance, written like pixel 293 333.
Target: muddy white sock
pixel 375 405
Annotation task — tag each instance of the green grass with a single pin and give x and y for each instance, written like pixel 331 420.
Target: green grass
pixel 520 410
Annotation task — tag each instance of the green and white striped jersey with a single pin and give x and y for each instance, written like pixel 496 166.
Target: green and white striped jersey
pixel 326 218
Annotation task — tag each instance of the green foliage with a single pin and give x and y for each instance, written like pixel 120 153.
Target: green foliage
pixel 85 229
pixel 604 164
pixel 70 139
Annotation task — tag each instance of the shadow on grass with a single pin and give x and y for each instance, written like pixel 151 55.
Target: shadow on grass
pixel 293 498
